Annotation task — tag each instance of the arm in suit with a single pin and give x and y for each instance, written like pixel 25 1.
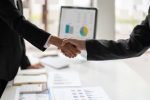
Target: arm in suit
pixel 136 45
pixel 25 63
pixel 11 16
pixel 16 21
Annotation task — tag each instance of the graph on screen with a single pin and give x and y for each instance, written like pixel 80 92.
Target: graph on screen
pixel 84 31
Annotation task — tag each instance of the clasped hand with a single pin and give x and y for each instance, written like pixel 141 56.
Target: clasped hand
pixel 72 47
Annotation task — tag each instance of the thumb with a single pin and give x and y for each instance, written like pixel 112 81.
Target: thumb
pixel 65 41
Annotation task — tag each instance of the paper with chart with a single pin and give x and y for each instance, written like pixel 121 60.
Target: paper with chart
pixel 63 79
pixel 89 93
pixel 34 97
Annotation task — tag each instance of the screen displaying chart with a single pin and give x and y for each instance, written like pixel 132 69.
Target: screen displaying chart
pixel 77 23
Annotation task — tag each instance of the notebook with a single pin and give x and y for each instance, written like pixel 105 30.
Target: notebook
pixel 31 80
pixel 24 79
pixel 32 71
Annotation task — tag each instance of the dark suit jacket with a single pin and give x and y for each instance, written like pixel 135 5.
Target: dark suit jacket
pixel 25 61
pixel 14 27
pixel 136 45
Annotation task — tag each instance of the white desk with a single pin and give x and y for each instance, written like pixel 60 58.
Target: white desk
pixel 120 81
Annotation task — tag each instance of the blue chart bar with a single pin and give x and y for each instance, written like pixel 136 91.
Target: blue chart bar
pixel 67 28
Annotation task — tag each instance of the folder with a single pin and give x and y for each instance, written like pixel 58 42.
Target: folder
pixel 31 80
pixel 24 79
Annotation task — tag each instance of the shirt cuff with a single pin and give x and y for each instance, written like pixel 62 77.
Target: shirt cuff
pixel 47 42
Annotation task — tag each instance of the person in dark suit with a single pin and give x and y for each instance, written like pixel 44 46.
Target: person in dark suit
pixel 13 28
pixel 136 45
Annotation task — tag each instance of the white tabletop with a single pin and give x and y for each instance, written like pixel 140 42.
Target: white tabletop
pixel 120 79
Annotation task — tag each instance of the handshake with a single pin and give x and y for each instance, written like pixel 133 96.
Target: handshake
pixel 69 47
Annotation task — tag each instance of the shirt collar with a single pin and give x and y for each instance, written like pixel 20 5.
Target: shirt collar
pixel 15 1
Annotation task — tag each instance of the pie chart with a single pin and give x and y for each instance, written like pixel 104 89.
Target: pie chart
pixel 84 31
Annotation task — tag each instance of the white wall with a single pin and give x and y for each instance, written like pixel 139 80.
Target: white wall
pixel 106 19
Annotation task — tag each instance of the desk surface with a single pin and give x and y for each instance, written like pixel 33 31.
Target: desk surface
pixel 121 80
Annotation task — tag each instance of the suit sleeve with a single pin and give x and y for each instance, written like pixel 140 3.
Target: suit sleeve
pixel 136 45
pixel 25 62
pixel 16 21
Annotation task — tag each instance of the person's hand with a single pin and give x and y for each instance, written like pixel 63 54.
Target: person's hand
pixel 36 66
pixel 80 44
pixel 68 49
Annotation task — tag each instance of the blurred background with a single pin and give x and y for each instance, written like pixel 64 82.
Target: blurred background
pixel 126 79
pixel 123 16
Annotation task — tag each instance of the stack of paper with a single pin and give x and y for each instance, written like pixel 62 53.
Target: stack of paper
pixel 32 80
pixel 27 79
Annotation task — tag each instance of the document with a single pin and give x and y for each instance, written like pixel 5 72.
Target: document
pixel 88 93
pixel 64 79
pixel 11 93
pixel 34 97
pixel 33 88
